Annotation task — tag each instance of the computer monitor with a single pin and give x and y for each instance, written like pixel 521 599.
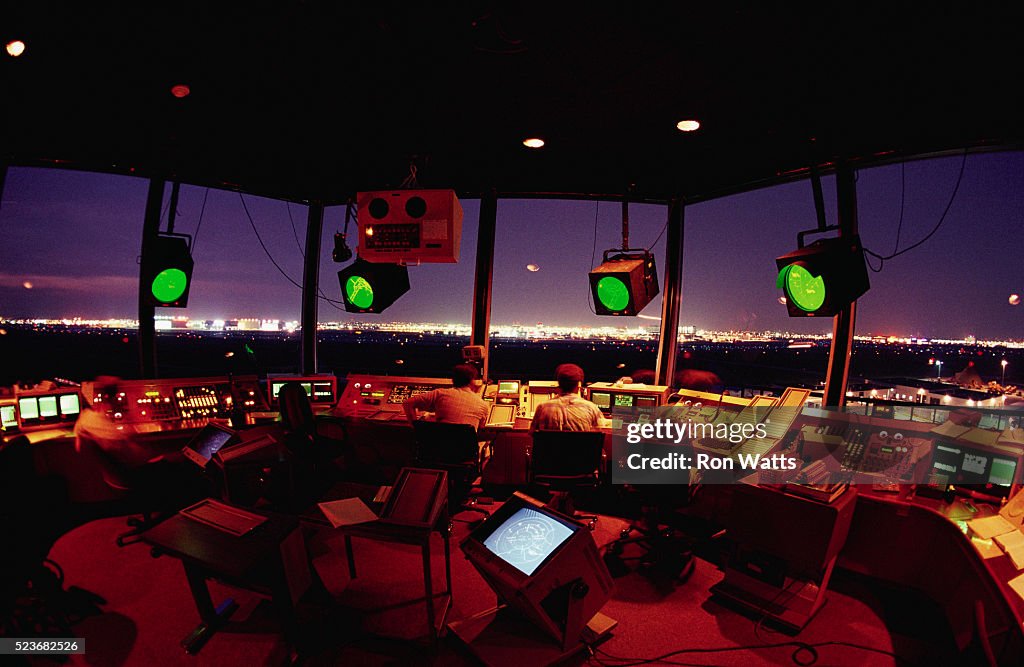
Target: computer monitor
pixel 321 389
pixel 956 464
pixel 601 399
pixel 623 400
pixel 501 415
pixel 48 407
pixel 69 404
pixel 508 387
pixel 533 556
pixel 210 440
pixel 8 417
pixel 28 408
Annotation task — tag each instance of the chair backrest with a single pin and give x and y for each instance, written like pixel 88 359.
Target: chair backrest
pixel 440 443
pixel 296 412
pixel 566 453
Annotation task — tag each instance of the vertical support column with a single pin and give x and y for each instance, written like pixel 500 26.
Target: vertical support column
pixel 481 332
pixel 672 295
pixel 311 286
pixel 844 322
pixel 147 327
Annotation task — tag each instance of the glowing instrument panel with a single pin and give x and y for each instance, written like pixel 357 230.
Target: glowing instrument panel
pixel 380 396
pixel 187 399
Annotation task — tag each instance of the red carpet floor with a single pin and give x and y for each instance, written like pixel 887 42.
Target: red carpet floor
pixel 149 610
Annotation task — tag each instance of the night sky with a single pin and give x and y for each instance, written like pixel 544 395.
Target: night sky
pixel 75 238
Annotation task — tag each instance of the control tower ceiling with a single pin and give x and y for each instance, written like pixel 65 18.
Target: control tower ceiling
pixel 309 100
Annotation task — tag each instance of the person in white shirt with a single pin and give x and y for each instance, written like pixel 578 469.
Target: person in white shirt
pixel 458 404
pixel 568 411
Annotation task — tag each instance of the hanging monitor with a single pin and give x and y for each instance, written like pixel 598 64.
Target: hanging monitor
pixel 625 283
pixel 822 278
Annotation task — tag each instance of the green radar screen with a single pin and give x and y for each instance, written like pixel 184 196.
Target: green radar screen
pixel 359 292
pixel 169 285
pixel 803 290
pixel 612 293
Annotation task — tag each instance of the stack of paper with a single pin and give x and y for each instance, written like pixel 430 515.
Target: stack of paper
pixel 1013 544
pixel 990 526
pixel 347 512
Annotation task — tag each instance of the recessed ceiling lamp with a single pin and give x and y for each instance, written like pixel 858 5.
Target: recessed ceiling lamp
pixel 688 125
pixel 180 90
pixel 15 48
pixel 533 142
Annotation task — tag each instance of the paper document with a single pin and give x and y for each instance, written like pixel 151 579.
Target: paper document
pixel 1017 584
pixel 990 526
pixel 1011 540
pixel 347 512
pixel 986 548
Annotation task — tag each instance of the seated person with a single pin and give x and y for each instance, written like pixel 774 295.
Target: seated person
pixel 568 411
pixel 458 404
pixel 167 475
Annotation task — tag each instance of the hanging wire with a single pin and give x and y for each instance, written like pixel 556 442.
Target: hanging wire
pixel 942 218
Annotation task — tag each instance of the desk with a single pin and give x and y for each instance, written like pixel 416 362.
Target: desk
pixel 917 543
pixel 383 531
pixel 270 559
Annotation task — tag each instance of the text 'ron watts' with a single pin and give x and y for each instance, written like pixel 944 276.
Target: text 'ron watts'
pixel 710 462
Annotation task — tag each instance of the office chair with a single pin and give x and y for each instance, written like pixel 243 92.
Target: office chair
pixel 455 449
pixel 662 532
pixel 567 461
pixel 124 489
pixel 304 438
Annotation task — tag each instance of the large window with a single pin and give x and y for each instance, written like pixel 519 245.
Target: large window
pixel 245 301
pixel 68 274
pixel 542 313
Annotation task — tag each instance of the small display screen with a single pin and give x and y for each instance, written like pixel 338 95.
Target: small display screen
pixel 8 417
pixel 646 401
pixel 208 441
pixel 601 399
pixel 69 404
pixel 623 400
pixel 501 414
pixel 47 406
pixel 962 465
pixel 527 538
pixel 29 408
pixel 508 387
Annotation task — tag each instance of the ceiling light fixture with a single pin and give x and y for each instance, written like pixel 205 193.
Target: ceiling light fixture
pixel 15 48
pixel 688 125
pixel 533 142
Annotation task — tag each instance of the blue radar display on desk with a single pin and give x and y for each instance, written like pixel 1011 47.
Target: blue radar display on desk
pixel 527 538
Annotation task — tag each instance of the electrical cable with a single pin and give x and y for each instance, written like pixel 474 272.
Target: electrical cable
pixel 274 262
pixel 662 232
pixel 199 224
pixel 593 254
pixel 295 233
pixel 942 218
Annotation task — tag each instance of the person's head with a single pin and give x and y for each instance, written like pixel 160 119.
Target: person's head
pixel 463 375
pixel 643 376
pixel 569 377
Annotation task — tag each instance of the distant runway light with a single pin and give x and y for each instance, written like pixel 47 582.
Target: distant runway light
pixel 399 361
pixel 782 300
pixel 649 317
pixel 1015 299
pixel 15 48
pixel 27 284
pixel 180 90
pixel 533 268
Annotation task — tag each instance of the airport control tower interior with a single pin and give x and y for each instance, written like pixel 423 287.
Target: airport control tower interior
pixel 511 333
